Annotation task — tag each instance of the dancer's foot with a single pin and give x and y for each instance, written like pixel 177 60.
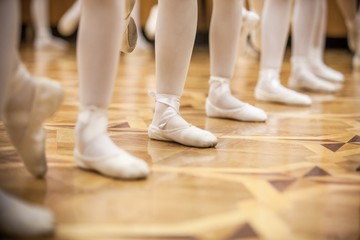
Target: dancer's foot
pixel 269 89
pixel 220 103
pixel 50 43
pixel 325 72
pixel 302 78
pixel 168 125
pixel 19 219
pixel 30 101
pixel 94 150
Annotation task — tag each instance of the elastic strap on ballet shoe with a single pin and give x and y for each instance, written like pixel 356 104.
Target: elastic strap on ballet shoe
pixel 173 103
pixel 92 122
pixel 223 83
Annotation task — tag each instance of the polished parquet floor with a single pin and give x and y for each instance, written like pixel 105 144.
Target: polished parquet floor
pixel 293 177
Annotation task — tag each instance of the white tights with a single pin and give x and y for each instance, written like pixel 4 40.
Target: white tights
pixel 351 13
pixel 100 32
pixel 275 26
pixel 43 35
pixel 308 69
pixel 175 36
pixel 16 217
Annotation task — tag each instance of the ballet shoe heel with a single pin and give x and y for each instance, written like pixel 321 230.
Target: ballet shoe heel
pixel 153 133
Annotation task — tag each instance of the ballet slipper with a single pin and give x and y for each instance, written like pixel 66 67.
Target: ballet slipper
pixel 91 133
pixel 327 73
pixel 249 22
pixel 243 111
pixel 321 70
pixel 302 78
pixel 19 219
pixel 185 134
pixel 269 89
pixel 25 128
pixel 130 35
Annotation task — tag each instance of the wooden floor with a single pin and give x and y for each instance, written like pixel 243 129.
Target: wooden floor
pixel 292 177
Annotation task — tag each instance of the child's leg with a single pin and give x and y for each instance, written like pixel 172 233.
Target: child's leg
pixel 275 27
pixel 175 36
pixel 43 36
pixel 224 39
pixel 304 28
pixel 316 59
pixel 101 28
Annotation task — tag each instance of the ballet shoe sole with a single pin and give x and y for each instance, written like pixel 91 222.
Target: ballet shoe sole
pixel 130 37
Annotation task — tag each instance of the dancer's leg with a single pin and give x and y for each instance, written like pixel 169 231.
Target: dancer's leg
pixel 175 36
pixel 304 29
pixel 275 26
pixel 224 39
pixel 98 53
pixel 142 43
pixel 43 36
pixel 16 218
pixel 255 37
pixel 356 58
pixel 348 9
pixel 316 59
pixel 70 20
pixel 351 13
pixel 9 14
pixel 27 101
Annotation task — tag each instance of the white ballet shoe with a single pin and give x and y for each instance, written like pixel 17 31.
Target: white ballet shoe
pixel 327 73
pixel 317 67
pixel 249 22
pixel 269 89
pixel 111 161
pixel 19 219
pixel 220 91
pixel 302 78
pixel 150 26
pixel 25 128
pixel 130 35
pixel 69 22
pixel 50 43
pixel 250 19
pixel 185 134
